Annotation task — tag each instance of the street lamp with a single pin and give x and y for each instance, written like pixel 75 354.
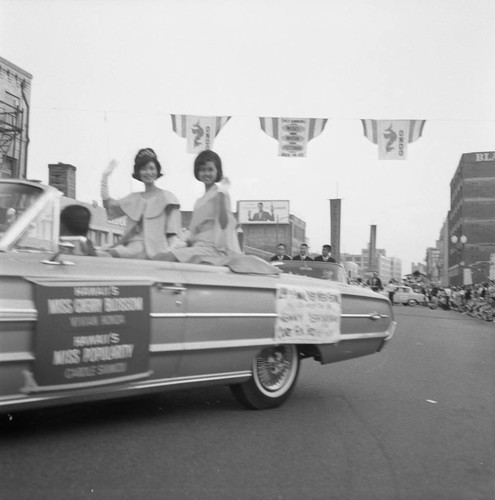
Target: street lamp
pixel 458 243
pixel 462 239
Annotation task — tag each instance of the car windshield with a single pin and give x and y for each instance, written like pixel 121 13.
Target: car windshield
pixel 27 223
pixel 15 199
pixel 321 270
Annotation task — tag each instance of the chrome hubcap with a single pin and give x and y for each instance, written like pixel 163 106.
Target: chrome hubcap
pixel 273 367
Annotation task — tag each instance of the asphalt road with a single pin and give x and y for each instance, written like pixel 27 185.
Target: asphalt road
pixel 416 421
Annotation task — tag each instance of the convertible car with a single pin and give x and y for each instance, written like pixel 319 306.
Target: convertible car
pixel 77 328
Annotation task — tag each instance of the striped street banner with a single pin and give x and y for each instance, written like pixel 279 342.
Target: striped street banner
pixel 392 136
pixel 198 130
pixel 293 134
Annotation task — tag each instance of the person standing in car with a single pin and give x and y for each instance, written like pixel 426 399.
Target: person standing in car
pixel 303 253
pixel 326 254
pixel 281 254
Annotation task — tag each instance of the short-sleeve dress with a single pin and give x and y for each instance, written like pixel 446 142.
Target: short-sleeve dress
pixel 150 220
pixel 210 243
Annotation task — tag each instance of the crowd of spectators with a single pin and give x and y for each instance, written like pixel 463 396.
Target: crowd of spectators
pixel 476 300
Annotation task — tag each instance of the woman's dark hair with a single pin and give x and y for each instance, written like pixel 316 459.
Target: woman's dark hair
pixel 204 157
pixel 142 158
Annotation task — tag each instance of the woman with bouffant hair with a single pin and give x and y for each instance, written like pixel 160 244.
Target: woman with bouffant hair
pixel 213 235
pixel 154 218
pixel 212 231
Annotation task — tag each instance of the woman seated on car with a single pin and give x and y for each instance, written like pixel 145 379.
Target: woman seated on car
pixel 154 218
pixel 212 232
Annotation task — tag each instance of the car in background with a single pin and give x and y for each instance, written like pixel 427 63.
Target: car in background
pixel 406 295
pixel 76 328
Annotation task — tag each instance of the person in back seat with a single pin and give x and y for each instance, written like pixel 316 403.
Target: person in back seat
pixel 74 221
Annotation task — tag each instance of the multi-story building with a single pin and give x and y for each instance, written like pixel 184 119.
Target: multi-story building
pixel 432 264
pixel 442 245
pixel 15 92
pixel 387 267
pixel 472 218
pixel 396 268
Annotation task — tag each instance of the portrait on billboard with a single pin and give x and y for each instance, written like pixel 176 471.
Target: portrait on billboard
pixel 263 211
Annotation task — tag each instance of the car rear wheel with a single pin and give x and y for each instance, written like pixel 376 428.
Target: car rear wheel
pixel 412 302
pixel 275 371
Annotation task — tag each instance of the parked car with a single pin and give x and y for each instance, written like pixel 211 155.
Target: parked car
pixel 407 296
pixel 76 328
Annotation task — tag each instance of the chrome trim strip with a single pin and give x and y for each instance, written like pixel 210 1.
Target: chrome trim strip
pixel 32 315
pixel 213 344
pixel 391 330
pixel 6 357
pixel 213 315
pixel 231 344
pixel 361 336
pixel 21 399
pixel 192 379
pixel 368 316
pixel 12 314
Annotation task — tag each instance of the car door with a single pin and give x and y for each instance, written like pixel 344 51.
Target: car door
pixel 99 320
pixel 229 318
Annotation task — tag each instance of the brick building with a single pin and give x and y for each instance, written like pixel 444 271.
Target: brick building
pixel 63 177
pixel 472 215
pixel 15 95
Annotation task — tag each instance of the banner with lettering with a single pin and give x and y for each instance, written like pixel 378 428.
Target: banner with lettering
pixel 392 136
pixel 293 134
pixel 92 334
pixel 309 315
pixel 198 130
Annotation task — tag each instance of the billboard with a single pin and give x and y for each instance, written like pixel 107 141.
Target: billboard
pixel 263 212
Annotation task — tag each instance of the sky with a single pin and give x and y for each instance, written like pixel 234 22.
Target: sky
pixel 107 74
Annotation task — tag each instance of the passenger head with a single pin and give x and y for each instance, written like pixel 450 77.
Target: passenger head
pixel 280 249
pixel 74 220
pixel 326 250
pixel 143 157
pixel 303 249
pixel 203 158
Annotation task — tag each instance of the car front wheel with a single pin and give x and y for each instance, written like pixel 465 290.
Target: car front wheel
pixel 412 302
pixel 275 371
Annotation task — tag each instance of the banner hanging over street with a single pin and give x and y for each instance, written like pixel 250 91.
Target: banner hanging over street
pixel 293 134
pixel 198 130
pixel 392 136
